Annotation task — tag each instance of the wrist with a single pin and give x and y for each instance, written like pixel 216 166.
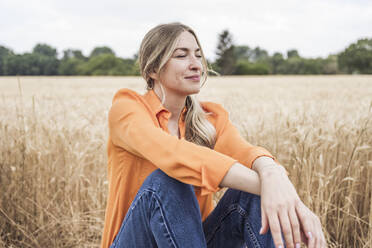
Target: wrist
pixel 262 162
pixel 266 165
pixel 271 170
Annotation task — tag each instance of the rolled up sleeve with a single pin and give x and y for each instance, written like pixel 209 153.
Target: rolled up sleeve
pixel 132 128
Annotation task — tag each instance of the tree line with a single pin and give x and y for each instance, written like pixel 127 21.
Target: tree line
pixel 244 60
pixel 230 59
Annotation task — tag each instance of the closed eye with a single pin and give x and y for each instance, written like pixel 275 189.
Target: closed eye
pixel 182 56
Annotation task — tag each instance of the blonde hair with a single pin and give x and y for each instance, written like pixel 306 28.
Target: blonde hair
pixel 156 49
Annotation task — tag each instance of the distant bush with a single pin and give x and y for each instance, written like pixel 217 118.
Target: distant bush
pixel 248 68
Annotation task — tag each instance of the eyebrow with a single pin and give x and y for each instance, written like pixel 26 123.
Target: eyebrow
pixel 186 49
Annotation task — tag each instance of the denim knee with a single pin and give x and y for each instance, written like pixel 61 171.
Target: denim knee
pixel 247 201
pixel 158 181
pixel 252 198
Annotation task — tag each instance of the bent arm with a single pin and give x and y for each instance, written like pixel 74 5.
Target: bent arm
pixel 248 180
pixel 132 128
pixel 242 178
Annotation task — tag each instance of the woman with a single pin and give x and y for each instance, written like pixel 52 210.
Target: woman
pixel 168 154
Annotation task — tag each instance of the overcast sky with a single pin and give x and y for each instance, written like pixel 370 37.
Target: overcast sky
pixel 315 28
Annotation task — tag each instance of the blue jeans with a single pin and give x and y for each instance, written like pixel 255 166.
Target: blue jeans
pixel 165 213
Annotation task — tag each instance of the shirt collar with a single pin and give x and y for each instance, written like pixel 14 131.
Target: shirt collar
pixel 155 103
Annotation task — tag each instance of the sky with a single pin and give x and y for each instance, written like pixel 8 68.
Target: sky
pixel 315 28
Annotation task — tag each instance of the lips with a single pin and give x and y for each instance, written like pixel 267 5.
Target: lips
pixel 194 77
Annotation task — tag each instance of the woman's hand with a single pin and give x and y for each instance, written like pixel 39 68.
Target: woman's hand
pixel 283 211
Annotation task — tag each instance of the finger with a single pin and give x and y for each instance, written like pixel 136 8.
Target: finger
pixel 317 230
pixel 275 230
pixel 304 238
pixel 306 223
pixel 295 227
pixel 264 222
pixel 320 238
pixel 286 228
pixel 311 240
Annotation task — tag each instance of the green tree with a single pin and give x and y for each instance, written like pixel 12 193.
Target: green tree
pixel 42 61
pixel 242 53
pixel 101 50
pixel 244 67
pixel 298 65
pixel 292 54
pixel 71 61
pixel 330 65
pixel 108 64
pixel 357 58
pixel 259 55
pixel 70 66
pixel 71 53
pixel 25 64
pixel 312 66
pixel 5 53
pixel 47 60
pixel 226 59
pixel 131 67
pixel 44 49
pixel 276 61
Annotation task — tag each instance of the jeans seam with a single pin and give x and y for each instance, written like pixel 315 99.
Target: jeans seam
pixel 229 210
pixel 129 214
pixel 164 220
pixel 252 236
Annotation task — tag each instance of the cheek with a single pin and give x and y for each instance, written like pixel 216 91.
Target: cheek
pixel 178 70
pixel 179 66
pixel 175 70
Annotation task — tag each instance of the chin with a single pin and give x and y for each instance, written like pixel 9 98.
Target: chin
pixel 190 89
pixel 194 91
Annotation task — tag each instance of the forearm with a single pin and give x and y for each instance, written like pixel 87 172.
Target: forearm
pixel 242 178
pixel 266 165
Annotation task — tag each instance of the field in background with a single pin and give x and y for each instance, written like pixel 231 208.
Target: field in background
pixel 53 133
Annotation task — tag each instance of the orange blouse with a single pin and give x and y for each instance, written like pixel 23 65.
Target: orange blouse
pixel 139 142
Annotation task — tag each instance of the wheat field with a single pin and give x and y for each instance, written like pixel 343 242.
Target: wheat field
pixel 53 134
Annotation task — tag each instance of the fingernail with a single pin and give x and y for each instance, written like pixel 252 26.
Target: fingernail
pixel 310 235
pixel 298 245
pixel 280 246
pixel 261 230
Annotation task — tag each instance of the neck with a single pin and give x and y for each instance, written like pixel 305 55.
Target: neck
pixel 173 102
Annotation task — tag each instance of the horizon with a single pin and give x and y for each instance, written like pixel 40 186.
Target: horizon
pixel 315 29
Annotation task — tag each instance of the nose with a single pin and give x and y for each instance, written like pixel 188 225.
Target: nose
pixel 195 63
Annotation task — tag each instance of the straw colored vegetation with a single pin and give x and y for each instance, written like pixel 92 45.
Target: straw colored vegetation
pixel 53 133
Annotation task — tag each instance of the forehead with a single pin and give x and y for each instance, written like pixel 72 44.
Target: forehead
pixel 186 40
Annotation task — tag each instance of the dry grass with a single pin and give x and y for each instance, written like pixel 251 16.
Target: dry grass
pixel 53 160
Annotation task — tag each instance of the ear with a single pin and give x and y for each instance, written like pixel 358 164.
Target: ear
pixel 154 76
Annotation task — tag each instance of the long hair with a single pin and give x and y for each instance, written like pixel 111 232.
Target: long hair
pixel 156 49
